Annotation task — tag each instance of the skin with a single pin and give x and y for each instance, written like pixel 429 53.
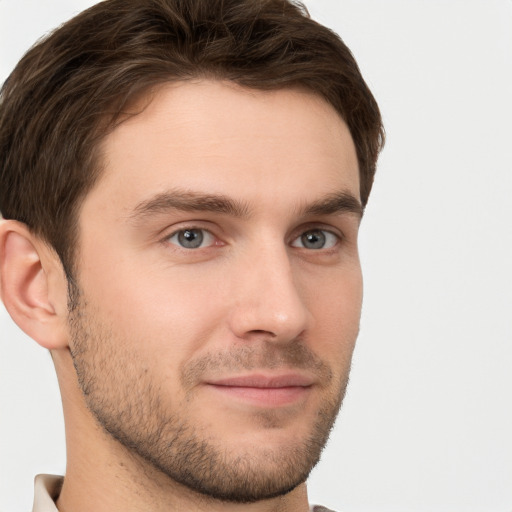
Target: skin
pixel 160 335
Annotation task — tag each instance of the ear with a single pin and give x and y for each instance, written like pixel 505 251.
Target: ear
pixel 33 285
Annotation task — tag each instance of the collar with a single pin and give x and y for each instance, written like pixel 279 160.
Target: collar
pixel 46 491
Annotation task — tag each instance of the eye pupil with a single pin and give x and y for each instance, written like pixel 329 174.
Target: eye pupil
pixel 313 239
pixel 190 238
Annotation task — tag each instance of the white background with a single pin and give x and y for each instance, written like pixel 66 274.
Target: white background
pixel 427 423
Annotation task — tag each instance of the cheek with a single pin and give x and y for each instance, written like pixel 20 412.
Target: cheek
pixel 156 312
pixel 334 302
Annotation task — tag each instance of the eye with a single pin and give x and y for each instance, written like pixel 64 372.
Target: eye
pixel 316 239
pixel 192 238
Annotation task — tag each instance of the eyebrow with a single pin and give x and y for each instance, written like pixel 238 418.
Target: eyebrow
pixel 336 203
pixel 188 201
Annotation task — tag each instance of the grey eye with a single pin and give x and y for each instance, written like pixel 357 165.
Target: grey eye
pixel 313 239
pixel 191 238
pixel 316 239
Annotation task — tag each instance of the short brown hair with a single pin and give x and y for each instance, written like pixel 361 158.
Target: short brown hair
pixel 72 87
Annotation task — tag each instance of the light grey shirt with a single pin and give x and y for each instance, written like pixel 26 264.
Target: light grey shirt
pixel 47 489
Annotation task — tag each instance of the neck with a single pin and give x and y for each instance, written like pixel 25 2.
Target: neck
pixel 103 475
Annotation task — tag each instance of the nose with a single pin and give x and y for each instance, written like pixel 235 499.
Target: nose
pixel 267 299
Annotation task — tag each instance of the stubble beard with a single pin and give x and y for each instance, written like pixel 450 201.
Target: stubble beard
pixel 128 405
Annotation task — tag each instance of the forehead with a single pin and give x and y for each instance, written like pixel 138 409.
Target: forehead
pixel 224 139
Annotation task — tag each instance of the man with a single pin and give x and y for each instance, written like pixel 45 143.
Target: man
pixel 182 183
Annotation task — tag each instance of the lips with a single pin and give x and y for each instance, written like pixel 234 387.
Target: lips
pixel 264 390
pixel 262 381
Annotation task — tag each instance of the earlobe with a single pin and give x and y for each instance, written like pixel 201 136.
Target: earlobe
pixel 26 265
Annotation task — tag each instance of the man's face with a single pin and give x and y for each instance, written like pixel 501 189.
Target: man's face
pixel 220 285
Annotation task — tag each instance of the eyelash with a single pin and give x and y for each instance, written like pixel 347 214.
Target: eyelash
pixel 190 230
pixel 330 238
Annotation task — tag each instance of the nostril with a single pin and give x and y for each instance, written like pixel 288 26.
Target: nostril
pixel 262 332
